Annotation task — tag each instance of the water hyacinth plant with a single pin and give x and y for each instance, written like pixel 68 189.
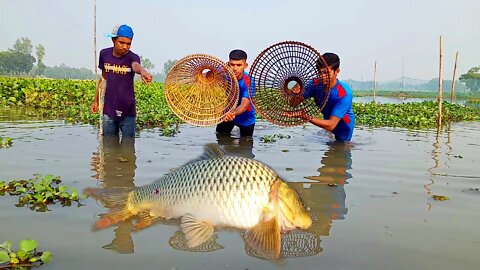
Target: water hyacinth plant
pixel 273 138
pixel 70 100
pixel 39 192
pixel 6 142
pixel 420 115
pixel 25 257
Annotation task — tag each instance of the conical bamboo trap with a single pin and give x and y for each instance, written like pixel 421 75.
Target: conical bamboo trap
pixel 201 90
pixel 275 70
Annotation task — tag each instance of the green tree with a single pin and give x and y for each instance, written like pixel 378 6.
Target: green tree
pixel 15 62
pixel 471 79
pixel 167 66
pixel 22 45
pixel 40 54
pixel 18 59
pixel 6 62
pixel 147 64
pixel 65 72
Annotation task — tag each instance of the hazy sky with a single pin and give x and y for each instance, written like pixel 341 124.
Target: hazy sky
pixel 360 32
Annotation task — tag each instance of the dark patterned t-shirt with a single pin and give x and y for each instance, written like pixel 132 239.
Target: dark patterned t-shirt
pixel 120 95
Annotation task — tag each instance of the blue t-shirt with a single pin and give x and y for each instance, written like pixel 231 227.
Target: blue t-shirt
pixel 247 118
pixel 120 95
pixel 339 104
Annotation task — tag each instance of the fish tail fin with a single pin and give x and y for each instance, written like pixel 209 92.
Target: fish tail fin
pixel 115 199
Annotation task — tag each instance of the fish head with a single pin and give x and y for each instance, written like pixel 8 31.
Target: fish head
pixel 292 209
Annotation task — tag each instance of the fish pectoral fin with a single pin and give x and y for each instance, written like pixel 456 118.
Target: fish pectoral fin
pixel 115 199
pixel 144 220
pixel 196 231
pixel 265 238
pixel 114 216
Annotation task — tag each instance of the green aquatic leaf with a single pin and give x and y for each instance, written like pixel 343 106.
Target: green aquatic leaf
pixel 4 257
pixel 7 245
pixel 23 255
pixel 28 245
pixel 14 260
pixel 46 257
pixel 48 179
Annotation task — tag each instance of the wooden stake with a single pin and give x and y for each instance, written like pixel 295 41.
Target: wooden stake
pixel 452 94
pixel 374 80
pixel 440 79
pixel 95 37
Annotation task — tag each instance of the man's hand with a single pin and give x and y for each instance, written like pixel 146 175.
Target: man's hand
pixel 94 106
pixel 229 117
pixel 146 77
pixel 298 114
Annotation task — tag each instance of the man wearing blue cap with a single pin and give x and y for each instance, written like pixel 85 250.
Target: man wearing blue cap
pixel 119 65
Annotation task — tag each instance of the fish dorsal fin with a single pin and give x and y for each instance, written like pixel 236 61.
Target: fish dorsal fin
pixel 210 151
pixel 196 231
pixel 265 238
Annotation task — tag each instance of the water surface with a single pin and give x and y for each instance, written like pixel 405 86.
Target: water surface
pixel 371 199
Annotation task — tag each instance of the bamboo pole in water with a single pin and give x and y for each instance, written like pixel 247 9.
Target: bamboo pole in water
pixel 452 94
pixel 374 80
pixel 95 37
pixel 440 79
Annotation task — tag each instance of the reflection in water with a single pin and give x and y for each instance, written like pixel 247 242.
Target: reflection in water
pixel 114 165
pixel 240 147
pixel 178 242
pixel 437 149
pixel 326 197
pixel 295 244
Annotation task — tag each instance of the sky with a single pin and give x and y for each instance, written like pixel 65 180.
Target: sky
pixel 402 36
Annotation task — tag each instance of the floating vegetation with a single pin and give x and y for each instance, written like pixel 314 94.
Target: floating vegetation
pixel 416 94
pixel 25 257
pixel 273 138
pixel 6 142
pixel 38 193
pixel 440 198
pixel 415 115
pixel 70 100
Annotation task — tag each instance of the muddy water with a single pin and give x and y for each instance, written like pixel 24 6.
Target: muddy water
pixel 371 199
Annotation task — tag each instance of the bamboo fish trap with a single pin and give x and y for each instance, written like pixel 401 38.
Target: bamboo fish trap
pixel 201 90
pixel 280 68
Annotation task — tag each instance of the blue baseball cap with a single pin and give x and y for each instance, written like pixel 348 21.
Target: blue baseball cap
pixel 121 30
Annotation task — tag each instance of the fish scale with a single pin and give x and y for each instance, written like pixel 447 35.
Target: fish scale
pixel 230 190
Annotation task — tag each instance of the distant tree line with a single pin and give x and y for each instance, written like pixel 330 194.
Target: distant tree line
pixel 19 61
pixel 413 85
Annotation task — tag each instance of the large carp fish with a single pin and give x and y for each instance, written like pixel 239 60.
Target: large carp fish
pixel 211 191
